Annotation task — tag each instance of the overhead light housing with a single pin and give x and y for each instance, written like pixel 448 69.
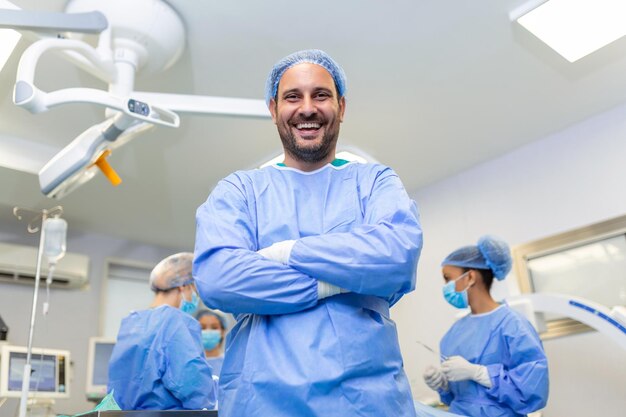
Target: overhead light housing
pixel 8 37
pixel 575 28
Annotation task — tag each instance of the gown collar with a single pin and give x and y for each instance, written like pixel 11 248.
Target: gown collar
pixel 489 312
pixel 337 163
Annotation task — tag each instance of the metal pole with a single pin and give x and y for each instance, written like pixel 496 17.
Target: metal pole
pixel 27 366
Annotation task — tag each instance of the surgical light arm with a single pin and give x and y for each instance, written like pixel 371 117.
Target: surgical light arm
pixel 226 106
pixel 28 96
pixel 91 22
pixel 38 25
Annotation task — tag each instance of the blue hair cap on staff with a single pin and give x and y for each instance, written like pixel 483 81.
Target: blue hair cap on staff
pixel 172 272
pixel 310 56
pixel 219 317
pixel 489 253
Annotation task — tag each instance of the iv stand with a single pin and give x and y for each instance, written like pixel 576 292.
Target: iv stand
pixel 32 228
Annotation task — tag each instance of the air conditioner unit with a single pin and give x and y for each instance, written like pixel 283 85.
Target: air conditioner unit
pixel 18 264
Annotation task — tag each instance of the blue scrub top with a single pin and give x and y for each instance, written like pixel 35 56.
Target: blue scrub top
pixel 216 364
pixel 158 363
pixel 507 344
pixel 290 354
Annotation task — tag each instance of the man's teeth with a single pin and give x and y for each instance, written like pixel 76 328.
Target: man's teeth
pixel 308 126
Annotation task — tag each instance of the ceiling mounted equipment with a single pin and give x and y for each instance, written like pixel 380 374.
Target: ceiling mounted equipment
pixel 135 37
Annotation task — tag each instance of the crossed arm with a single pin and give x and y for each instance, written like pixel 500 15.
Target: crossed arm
pixel 378 257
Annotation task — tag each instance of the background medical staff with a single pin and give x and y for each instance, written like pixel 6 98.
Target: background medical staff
pixel 213 335
pixel 309 254
pixel 158 361
pixel 495 363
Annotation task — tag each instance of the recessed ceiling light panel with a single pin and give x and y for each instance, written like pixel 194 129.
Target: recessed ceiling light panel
pixel 576 28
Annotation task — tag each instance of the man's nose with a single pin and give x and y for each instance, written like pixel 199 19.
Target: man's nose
pixel 307 107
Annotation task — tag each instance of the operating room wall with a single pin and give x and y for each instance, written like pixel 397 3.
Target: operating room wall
pixel 74 314
pixel 570 179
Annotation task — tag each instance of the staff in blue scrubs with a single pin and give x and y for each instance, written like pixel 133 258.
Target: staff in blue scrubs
pixel 496 365
pixel 309 254
pixel 158 362
pixel 213 335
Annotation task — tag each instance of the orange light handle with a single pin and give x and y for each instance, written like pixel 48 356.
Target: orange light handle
pixel 107 169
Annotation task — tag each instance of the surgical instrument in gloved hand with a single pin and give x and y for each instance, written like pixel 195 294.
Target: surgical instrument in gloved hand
pixel 441 357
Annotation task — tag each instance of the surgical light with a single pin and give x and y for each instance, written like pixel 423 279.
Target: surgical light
pixel 139 36
pixel 79 161
pixel 576 28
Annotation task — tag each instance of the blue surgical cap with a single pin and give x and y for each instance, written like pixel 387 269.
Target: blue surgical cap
pixel 490 253
pixel 311 56
pixel 219 317
pixel 172 272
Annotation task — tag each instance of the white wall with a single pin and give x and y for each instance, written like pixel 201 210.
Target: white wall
pixel 570 179
pixel 74 314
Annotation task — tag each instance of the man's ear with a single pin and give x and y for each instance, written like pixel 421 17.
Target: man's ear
pixel 272 107
pixel 342 108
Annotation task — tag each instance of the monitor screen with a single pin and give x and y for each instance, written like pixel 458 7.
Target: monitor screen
pixel 102 354
pixel 42 376
pixel 100 350
pixel 49 369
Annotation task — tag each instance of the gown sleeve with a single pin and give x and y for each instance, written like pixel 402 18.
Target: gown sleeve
pixel 187 374
pixel 523 383
pixel 229 274
pixel 378 257
pixel 446 396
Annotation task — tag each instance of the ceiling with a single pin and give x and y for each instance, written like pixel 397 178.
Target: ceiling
pixel 434 87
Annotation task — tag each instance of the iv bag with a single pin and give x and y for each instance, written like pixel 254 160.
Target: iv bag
pixel 55 233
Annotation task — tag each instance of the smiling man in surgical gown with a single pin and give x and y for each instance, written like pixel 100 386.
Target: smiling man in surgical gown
pixel 309 255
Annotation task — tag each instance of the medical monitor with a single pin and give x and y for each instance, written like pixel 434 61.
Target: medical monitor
pixel 98 357
pixel 50 370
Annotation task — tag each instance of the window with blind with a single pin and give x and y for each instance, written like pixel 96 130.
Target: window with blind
pixel 125 288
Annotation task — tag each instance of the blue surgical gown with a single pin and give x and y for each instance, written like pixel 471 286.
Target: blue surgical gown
pixel 216 364
pixel 158 363
pixel 507 344
pixel 290 354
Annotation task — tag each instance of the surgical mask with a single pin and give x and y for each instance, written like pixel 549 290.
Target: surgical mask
pixel 454 297
pixel 190 307
pixel 211 338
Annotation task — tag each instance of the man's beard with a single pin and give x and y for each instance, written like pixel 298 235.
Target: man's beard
pixel 309 154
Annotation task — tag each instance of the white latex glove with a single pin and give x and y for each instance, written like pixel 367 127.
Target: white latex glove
pixel 324 289
pixel 279 251
pixel 435 378
pixel 457 368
